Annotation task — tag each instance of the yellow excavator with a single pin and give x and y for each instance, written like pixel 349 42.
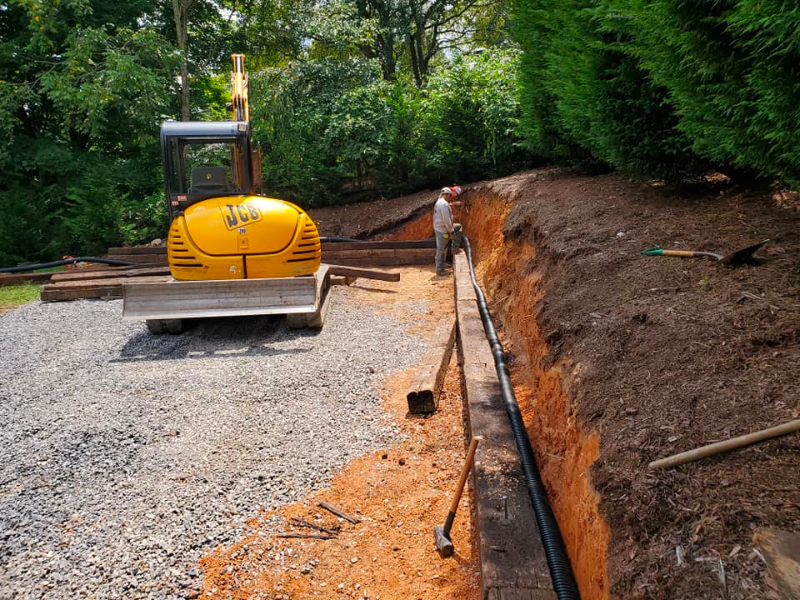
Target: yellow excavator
pixel 231 251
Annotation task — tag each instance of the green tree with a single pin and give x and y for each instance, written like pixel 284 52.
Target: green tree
pixel 731 69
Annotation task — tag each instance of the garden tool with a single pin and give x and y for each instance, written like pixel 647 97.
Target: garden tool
pixel 442 534
pixel 734 259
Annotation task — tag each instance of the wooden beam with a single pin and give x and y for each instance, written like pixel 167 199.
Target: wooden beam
pixel 127 250
pixel 504 517
pixel 159 259
pixel 21 278
pixel 365 273
pixel 390 245
pixel 379 262
pixel 423 393
pixel 108 273
pixel 92 288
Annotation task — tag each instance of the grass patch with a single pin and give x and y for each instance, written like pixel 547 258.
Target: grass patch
pixel 13 296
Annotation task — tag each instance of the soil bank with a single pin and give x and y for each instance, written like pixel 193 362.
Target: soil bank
pixel 620 359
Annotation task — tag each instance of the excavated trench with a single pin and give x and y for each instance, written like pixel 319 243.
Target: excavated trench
pixel 511 273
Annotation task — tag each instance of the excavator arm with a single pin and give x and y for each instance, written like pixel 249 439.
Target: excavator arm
pixel 239 90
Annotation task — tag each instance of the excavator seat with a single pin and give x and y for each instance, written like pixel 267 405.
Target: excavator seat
pixel 209 179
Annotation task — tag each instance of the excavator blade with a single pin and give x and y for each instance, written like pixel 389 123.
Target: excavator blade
pixel 224 298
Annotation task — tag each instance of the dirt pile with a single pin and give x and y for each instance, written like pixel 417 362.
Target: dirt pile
pixel 621 359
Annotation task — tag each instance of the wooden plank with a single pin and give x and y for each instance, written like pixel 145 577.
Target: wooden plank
pixel 402 253
pixel 504 516
pixel 102 282
pixel 380 262
pixel 21 278
pixel 423 393
pixel 359 253
pixel 108 273
pixel 391 245
pixel 365 273
pixel 233 297
pixel 128 250
pixel 159 259
pixel 93 288
pixel 59 295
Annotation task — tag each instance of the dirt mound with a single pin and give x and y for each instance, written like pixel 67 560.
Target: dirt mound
pixel 649 356
pixel 366 220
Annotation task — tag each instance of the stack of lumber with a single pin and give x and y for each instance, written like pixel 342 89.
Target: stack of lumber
pixel 149 255
pixel 103 283
pixel 379 254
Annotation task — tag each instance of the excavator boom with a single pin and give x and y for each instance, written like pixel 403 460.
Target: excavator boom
pixel 239 89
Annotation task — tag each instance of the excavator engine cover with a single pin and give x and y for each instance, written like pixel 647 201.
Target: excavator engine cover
pixel 242 237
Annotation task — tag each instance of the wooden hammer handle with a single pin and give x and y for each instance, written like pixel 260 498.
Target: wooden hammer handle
pixel 473 444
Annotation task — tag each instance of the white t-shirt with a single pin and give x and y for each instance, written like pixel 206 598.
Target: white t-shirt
pixel 442 216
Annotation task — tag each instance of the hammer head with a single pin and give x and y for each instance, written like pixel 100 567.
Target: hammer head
pixel 443 543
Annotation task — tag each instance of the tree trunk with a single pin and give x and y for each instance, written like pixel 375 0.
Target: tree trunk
pixel 180 9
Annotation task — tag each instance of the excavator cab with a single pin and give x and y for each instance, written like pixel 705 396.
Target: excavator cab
pixel 207 160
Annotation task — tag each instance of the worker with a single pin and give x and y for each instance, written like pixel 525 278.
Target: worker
pixel 443 226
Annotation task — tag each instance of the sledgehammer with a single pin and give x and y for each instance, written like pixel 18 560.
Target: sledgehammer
pixel 442 534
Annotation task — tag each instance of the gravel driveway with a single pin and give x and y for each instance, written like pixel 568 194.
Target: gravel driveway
pixel 126 456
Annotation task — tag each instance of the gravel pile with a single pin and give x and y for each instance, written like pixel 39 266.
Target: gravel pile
pixel 126 456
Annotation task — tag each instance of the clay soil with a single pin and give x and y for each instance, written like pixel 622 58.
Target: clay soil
pixel 398 493
pixel 621 359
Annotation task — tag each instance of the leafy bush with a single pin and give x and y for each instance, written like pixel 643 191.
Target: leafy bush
pixel 334 130
pixel 467 118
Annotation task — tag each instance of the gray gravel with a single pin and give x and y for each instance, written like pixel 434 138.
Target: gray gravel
pixel 126 456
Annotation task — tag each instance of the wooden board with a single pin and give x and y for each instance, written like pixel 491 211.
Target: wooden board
pixel 159 259
pixel 365 273
pixel 233 297
pixel 21 278
pixel 108 273
pixel 128 250
pixel 513 563
pixel 423 393
pixel 391 245
pixel 378 262
pixel 87 289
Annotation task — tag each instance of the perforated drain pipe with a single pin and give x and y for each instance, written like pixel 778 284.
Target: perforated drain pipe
pixel 557 559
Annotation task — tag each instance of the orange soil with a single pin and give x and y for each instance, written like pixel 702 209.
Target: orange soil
pixel 399 494
pixel 564 452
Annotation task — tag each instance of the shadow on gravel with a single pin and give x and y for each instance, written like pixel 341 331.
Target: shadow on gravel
pixel 219 338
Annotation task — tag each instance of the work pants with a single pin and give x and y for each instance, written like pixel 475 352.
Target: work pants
pixel 442 244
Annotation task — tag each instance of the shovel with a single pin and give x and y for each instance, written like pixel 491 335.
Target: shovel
pixel 734 259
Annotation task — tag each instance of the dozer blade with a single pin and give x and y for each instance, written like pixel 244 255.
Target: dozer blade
pixel 224 298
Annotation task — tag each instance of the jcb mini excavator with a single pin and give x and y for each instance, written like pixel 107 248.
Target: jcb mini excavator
pixel 231 251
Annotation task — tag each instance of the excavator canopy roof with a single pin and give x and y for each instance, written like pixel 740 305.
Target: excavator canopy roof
pixel 204 128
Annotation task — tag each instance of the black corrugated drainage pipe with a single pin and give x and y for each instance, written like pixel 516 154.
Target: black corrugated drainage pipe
pixel 68 261
pixel 557 559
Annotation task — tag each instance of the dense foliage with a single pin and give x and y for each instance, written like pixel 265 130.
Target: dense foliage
pixel 664 88
pixel 337 129
pixel 350 98
pixel 357 99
